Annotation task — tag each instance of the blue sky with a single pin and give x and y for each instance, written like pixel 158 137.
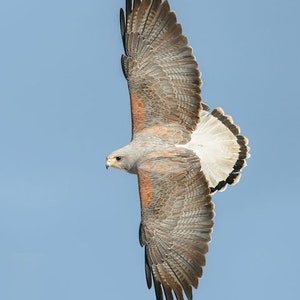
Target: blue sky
pixel 68 227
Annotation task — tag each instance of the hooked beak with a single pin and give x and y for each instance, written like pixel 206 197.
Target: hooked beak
pixel 108 163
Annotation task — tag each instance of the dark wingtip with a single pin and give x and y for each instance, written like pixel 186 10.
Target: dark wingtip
pixel 148 271
pixel 122 22
pixel 158 290
pixel 128 7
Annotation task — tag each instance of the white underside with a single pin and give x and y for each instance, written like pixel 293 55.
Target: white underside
pixel 216 146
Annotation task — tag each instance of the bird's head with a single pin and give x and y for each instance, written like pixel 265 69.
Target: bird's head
pixel 114 161
pixel 121 159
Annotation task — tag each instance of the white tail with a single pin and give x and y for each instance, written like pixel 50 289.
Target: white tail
pixel 220 147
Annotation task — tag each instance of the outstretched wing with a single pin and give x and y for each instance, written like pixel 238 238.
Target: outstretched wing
pixel 177 220
pixel 162 73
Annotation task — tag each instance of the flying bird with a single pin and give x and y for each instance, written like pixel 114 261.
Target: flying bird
pixel 180 150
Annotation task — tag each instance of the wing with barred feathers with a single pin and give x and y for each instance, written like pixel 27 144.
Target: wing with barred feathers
pixel 161 70
pixel 177 220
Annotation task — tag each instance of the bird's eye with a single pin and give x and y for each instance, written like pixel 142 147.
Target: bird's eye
pixel 118 158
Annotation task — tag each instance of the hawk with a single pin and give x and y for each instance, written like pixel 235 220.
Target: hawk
pixel 180 150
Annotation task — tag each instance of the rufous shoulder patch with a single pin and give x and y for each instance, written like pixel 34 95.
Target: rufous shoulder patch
pixel 138 112
pixel 146 188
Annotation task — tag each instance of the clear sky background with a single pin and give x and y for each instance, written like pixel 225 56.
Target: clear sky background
pixel 68 227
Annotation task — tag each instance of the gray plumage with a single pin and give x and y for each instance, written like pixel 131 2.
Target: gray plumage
pixel 180 151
